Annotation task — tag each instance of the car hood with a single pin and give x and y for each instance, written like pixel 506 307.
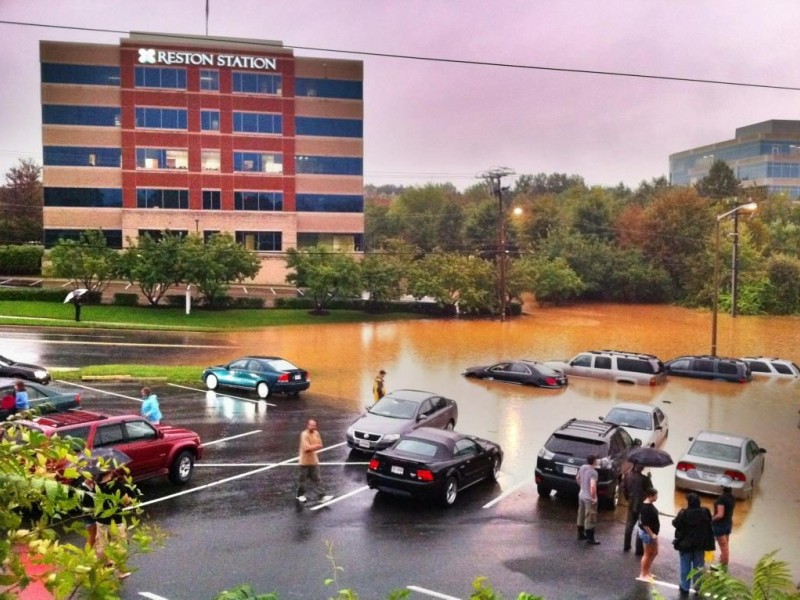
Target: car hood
pixel 176 433
pixel 383 425
pixel 29 366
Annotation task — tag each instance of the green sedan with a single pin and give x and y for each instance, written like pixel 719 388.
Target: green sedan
pixel 263 374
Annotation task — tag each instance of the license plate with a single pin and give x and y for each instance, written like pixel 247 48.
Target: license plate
pixel 707 476
pixel 397 470
pixel 567 470
pixel 298 377
pixel 363 444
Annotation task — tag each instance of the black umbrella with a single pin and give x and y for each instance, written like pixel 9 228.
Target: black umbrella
pixel 102 460
pixel 649 457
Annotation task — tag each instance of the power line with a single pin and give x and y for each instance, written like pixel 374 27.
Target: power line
pixel 177 37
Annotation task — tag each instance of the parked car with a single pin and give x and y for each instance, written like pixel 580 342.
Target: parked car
pixel 399 412
pixel 716 460
pixel 434 464
pixel 18 370
pixel 642 421
pixel 718 368
pixel 773 367
pixel 155 450
pixel 264 374
pixel 616 365
pixel 520 372
pixel 567 449
pixel 44 398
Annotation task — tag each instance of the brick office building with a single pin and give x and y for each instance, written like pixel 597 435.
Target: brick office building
pixel 201 135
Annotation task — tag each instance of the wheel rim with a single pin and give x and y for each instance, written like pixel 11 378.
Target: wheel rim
pixel 495 466
pixel 185 468
pixel 262 389
pixel 451 492
pixel 450 426
pixel 211 382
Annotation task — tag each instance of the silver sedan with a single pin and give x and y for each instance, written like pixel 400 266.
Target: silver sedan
pixel 716 460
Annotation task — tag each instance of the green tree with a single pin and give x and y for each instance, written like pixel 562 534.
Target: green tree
pixel 720 182
pixel 781 295
pixel 87 262
pixel 21 204
pixel 555 281
pixel 213 265
pixel 457 282
pixel 154 265
pixel 382 277
pixel 325 274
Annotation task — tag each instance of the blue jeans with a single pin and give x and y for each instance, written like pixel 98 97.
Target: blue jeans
pixel 690 560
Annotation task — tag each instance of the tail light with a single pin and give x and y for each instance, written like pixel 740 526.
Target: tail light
pixel 425 475
pixel 78 399
pixel 685 466
pixel 308 376
pixel 736 475
pixel 374 464
pixel 550 381
pixel 283 378
pixel 652 381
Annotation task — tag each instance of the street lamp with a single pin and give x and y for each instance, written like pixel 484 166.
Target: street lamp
pixel 749 207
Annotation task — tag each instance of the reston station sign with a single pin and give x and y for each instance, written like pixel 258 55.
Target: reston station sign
pixel 170 57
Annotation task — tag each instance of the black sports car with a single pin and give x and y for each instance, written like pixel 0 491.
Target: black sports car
pixel 521 372
pixel 434 464
pixel 18 370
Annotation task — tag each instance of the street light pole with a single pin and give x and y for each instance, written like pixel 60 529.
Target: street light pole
pixel 749 207
pixel 494 181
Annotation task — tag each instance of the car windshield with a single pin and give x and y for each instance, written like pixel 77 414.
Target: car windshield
pixel 418 447
pixel 5 362
pixel 396 408
pixel 281 365
pixel 629 418
pixel 716 451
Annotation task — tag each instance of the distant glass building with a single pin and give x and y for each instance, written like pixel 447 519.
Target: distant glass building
pixel 201 135
pixel 764 154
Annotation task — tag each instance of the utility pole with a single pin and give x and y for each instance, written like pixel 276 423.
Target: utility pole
pixel 494 179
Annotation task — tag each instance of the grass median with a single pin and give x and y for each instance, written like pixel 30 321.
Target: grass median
pixel 50 314
pixel 143 374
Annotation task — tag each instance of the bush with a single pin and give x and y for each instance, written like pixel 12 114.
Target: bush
pixel 21 260
pixel 247 302
pixel 29 294
pixel 124 299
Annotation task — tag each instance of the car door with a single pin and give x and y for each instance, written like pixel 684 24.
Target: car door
pixel 236 373
pixel 114 435
pixel 428 416
pixel 472 462
pixel 500 372
pixel 581 365
pixel 660 420
pixel 602 367
pixel 519 373
pixel 755 461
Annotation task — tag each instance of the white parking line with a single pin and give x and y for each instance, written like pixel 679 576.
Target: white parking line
pixel 431 593
pixel 233 437
pixel 507 493
pixel 338 498
pixel 186 387
pixel 152 596
pixel 322 464
pixel 86 387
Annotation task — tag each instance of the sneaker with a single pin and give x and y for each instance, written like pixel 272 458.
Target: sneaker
pixel 302 498
pixel 326 498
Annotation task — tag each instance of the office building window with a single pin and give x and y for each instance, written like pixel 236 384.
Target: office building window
pixel 330 203
pixel 269 201
pixel 329 165
pixel 80 74
pixel 161 118
pixel 83 197
pixel 257 83
pixel 160 77
pixel 352 128
pixel 61 114
pixel 339 242
pixel 211 200
pixel 210 160
pixel 329 88
pixel 51 236
pixel 161 158
pixel 209 80
pixel 244 122
pixel 209 120
pixel 78 156
pixel 208 234
pixel 154 198
pixel 260 241
pixel 258 162
pixel 158 234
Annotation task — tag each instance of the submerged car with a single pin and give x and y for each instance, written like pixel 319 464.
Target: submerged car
pixel 642 421
pixel 432 464
pixel 614 365
pixel 520 372
pixel 399 412
pixel 716 368
pixel 772 367
pixel 263 374
pixel 715 460
pixel 46 399
pixel 13 369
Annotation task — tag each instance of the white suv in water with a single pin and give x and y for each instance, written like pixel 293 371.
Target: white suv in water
pixel 773 367
pixel 616 365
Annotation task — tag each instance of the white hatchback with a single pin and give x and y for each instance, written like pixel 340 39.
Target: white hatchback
pixel 772 367
pixel 646 423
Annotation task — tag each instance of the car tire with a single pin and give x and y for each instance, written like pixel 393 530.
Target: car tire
pixel 495 467
pixel 212 382
pixel 610 502
pixel 262 389
pixel 543 490
pixel 450 425
pixel 180 471
pixel 450 491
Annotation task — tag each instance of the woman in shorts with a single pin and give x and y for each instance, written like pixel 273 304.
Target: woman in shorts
pixel 649 526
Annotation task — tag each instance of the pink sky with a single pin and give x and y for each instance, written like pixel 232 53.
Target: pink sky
pixel 437 122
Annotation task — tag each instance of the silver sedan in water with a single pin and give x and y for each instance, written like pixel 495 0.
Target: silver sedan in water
pixel 716 460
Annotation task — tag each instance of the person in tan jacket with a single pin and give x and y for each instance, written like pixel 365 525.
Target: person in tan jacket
pixel 310 444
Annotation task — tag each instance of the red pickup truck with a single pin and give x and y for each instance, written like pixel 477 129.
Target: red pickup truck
pixel 155 450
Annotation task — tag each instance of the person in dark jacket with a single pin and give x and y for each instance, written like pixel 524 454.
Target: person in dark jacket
pixel 634 485
pixel 693 536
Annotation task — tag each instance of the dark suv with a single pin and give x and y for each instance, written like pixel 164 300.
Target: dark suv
pixel 568 448
pixel 710 367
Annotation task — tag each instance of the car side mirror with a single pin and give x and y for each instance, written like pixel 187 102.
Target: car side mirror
pixel 659 427
pixel 762 450
pixel 601 418
pixel 160 433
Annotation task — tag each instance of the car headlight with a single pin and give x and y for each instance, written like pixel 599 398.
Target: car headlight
pixel 351 431
pixel 546 454
pixel 40 374
pixel 391 437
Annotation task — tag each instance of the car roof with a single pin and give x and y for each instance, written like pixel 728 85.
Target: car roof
pixel 622 353
pixel 72 417
pixel 417 396
pixel 769 358
pixel 592 430
pixel 721 438
pixel 444 437
pixel 259 357
pixel 645 408
pixel 708 357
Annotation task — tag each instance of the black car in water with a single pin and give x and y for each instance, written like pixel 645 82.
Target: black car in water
pixel 18 370
pixel 434 464
pixel 717 368
pixel 520 372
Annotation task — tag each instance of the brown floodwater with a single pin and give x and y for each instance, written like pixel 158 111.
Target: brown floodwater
pixel 431 355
